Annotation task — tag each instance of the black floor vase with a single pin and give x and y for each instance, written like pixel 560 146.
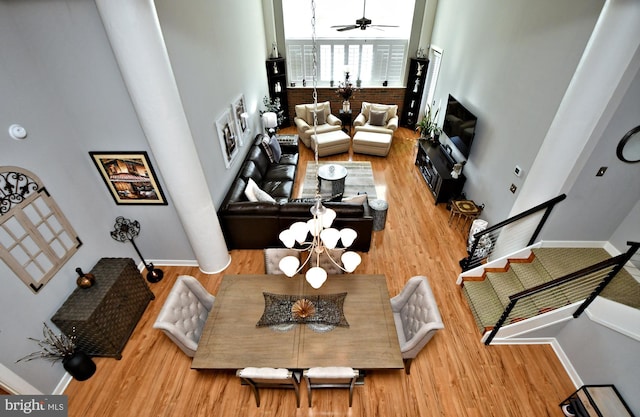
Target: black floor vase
pixel 79 365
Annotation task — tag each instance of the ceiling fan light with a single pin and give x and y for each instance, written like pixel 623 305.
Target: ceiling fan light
pixel 350 260
pixel 316 276
pixel 289 265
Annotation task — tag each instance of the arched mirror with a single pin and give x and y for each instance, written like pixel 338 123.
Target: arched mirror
pixel 629 147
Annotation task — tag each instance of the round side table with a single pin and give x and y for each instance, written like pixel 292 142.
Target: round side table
pixel 331 178
pixel 379 213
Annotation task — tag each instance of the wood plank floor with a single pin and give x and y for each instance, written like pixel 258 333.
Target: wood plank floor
pixel 455 375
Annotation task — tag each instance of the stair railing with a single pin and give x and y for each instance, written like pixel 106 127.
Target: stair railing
pixel 484 242
pixel 586 284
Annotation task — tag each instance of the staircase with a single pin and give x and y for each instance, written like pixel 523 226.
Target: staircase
pixel 488 294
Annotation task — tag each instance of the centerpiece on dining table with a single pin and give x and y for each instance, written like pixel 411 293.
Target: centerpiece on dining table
pixel 346 90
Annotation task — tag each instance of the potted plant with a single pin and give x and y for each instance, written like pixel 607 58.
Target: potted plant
pixel 428 127
pixel 345 91
pixel 63 348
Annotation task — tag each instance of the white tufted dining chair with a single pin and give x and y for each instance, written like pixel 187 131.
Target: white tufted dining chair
pixel 416 316
pixel 330 377
pixel 184 313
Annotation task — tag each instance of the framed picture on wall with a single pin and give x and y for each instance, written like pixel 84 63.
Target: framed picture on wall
pixel 129 177
pixel 241 118
pixel 228 137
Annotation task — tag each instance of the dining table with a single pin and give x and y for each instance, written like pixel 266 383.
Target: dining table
pixel 352 325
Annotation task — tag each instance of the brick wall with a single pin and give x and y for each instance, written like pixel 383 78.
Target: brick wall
pixel 382 95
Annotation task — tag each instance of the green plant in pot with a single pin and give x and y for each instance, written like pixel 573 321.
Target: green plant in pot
pixel 63 348
pixel 274 106
pixel 428 127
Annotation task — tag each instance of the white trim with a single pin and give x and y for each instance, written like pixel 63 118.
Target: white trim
pixel 63 384
pixel 616 316
pixel 14 384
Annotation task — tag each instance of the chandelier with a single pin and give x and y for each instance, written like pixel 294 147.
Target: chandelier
pixel 316 236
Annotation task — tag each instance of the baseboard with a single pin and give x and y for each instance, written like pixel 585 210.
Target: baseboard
pixel 562 357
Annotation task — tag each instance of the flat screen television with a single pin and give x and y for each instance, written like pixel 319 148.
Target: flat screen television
pixel 459 125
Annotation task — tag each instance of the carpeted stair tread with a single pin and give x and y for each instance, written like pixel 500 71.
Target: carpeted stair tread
pixel 505 284
pixel 484 303
pixel 559 262
pixel 531 274
pixel 624 289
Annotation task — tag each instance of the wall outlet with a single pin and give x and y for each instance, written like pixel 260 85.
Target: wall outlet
pixel 513 188
pixel 517 171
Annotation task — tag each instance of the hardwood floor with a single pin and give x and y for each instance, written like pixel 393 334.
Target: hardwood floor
pixel 455 375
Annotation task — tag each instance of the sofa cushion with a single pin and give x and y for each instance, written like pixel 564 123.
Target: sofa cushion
pixel 236 193
pixel 254 193
pixel 278 189
pixel 275 149
pixel 281 172
pixel 250 170
pixel 289 159
pixel 391 109
pixel 264 143
pixel 258 155
pixel 320 115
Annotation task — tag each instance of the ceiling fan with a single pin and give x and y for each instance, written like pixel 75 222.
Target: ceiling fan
pixel 361 23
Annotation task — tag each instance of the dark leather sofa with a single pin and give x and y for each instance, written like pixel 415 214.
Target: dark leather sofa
pixel 256 225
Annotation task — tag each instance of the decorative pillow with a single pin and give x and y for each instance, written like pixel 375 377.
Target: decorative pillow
pixel 267 148
pixel 355 199
pixel 275 149
pixel 320 115
pixel 377 117
pixel 254 193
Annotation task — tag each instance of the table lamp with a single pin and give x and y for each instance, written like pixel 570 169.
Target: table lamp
pixel 270 122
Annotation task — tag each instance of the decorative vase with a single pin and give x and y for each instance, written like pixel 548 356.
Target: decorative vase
pixel 346 106
pixel 79 365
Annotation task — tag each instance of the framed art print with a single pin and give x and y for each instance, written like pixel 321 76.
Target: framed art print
pixel 129 177
pixel 240 117
pixel 228 137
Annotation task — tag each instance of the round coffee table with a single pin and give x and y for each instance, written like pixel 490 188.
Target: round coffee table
pixel 331 179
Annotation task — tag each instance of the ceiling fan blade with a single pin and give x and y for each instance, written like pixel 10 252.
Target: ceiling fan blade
pixel 383 26
pixel 342 29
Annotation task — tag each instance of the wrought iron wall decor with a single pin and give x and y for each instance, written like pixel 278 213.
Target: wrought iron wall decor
pixel 125 230
pixel 36 239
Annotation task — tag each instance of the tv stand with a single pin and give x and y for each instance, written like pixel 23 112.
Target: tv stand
pixel 435 165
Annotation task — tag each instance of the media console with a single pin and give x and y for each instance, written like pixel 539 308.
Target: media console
pixel 435 166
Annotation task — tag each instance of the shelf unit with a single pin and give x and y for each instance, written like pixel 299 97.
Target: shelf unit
pixel 277 79
pixel 413 93
pixel 435 168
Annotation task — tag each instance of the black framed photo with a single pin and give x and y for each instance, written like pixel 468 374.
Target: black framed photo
pixel 129 177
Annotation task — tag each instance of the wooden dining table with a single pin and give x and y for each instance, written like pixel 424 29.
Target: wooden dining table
pixel 231 338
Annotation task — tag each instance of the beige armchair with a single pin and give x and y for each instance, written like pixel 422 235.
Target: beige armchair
pixel 377 118
pixel 327 122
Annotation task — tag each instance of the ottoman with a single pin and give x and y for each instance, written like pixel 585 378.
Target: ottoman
pixel 331 143
pixel 372 143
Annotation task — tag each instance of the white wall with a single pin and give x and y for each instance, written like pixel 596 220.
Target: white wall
pixel 510 64
pixel 58 78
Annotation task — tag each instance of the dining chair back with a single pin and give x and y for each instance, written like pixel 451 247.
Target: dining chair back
pixel 330 377
pixel 184 313
pixel 258 378
pixel 416 316
pixel 272 257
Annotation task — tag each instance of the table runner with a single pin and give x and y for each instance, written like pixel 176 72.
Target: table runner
pixel 328 310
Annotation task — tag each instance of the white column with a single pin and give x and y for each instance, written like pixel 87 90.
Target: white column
pixel 601 78
pixel 137 42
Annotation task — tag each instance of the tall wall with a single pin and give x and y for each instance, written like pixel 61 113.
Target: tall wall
pixel 510 64
pixel 65 88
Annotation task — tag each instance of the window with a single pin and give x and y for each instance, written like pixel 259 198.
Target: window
pixel 373 56
pixel 35 237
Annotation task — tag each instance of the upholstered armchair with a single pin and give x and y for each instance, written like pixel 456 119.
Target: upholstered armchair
pixel 184 313
pixel 416 316
pixel 327 122
pixel 377 118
